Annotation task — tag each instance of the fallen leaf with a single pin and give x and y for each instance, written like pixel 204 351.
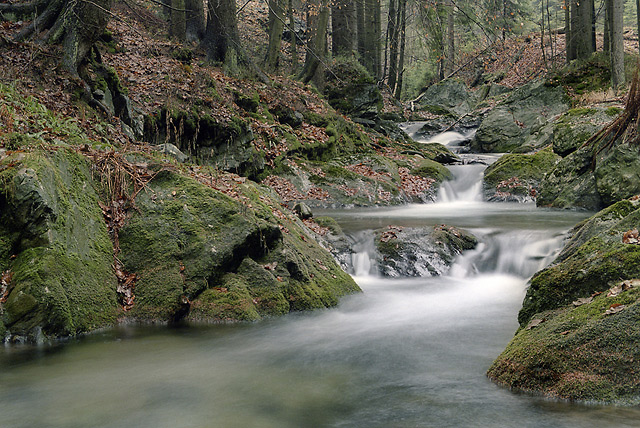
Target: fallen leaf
pixel 582 301
pixel 615 308
pixel 534 323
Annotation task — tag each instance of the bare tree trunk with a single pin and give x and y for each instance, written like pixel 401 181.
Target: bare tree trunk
pixel 449 59
pixel 638 22
pixel 617 43
pixel 318 42
pixel 343 23
pixel 372 54
pixel 403 28
pixel 195 20
pixel 583 36
pixel 360 26
pixel 178 26
pixel 294 39
pixel 572 42
pixel 392 38
pixel 276 25
pixel 606 40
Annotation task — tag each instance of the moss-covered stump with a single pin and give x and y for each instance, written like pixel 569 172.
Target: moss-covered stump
pixel 202 255
pixel 587 353
pixel 517 177
pixel 55 250
pixel 420 252
pixel 593 259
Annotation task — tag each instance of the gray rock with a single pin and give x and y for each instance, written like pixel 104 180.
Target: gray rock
pixel 418 252
pixel 524 113
pixel 173 151
pixel 302 210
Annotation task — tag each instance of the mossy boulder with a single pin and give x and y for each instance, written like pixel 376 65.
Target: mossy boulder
pixel 431 169
pixel 522 114
pixel 593 259
pixel 578 353
pixel 56 247
pixel 227 145
pixel 351 90
pixel 577 125
pixel 420 252
pixel 518 176
pixel 580 180
pixel 202 255
pixel 447 97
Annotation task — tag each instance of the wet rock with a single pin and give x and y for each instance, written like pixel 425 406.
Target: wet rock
pixel 302 210
pixel 576 126
pixel 417 252
pixel 172 151
pixel 523 113
pixel 56 246
pixel 517 177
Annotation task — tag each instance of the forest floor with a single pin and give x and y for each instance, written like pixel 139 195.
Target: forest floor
pixel 147 64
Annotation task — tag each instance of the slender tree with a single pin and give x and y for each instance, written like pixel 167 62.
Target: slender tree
pixel 318 22
pixel 178 24
pixel 450 52
pixel 403 38
pixel 195 20
pixel 343 24
pixel 616 7
pixel 276 25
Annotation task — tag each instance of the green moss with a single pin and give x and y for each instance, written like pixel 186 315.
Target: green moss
pixel 578 353
pixel 591 262
pixel 583 111
pixel 524 170
pixel 431 169
pixel 613 111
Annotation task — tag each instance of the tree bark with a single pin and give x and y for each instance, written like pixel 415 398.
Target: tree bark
pixel 392 41
pixel 583 34
pixel 403 39
pixel 360 29
pixel 75 24
pixel 276 25
pixel 178 26
pixel 450 59
pixel 372 53
pixel 617 43
pixel 319 20
pixel 195 20
pixel 343 24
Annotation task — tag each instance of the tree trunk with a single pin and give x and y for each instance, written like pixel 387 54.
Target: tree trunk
pixel 360 29
pixel 606 39
pixel 392 38
pixel 276 25
pixel 450 59
pixel 319 20
pixel 75 24
pixel 343 23
pixel 403 27
pixel 372 53
pixel 638 22
pixel 583 34
pixel 294 39
pixel 221 38
pixel 617 43
pixel 195 20
pixel 574 21
pixel 178 27
pixel 567 30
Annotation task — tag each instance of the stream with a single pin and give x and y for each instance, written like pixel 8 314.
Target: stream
pixel 408 352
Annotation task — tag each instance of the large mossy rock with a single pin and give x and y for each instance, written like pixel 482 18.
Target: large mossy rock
pixel 227 145
pixel 578 353
pixel 592 260
pixel 418 252
pixel 55 248
pixel 579 335
pixel 449 96
pixel 576 126
pixel 351 90
pixel 522 114
pixel 580 181
pixel 517 177
pixel 202 255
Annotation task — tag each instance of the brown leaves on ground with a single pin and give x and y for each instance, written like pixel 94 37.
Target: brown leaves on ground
pixel 5 284
pixel 391 233
pixel 126 287
pixel 631 237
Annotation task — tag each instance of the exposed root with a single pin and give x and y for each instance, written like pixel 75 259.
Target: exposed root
pixel 121 181
pixel 623 129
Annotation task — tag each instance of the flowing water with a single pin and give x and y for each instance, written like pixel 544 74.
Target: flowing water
pixel 404 353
